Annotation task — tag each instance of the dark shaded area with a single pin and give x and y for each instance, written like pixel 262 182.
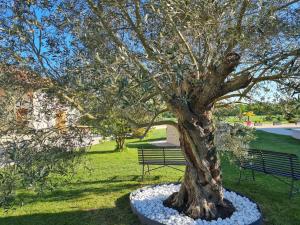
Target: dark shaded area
pixel 140 145
pixel 113 184
pixel 73 193
pixel 223 211
pixel 144 143
pixel 107 216
pixel 100 152
pixel 111 179
pixel 148 139
pixel 226 210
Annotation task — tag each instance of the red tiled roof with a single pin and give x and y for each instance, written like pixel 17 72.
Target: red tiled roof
pixel 22 76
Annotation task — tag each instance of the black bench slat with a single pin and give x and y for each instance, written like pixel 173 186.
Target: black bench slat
pixel 273 163
pixel 161 157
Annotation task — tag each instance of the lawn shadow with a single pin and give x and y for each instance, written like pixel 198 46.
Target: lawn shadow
pixel 137 178
pixel 148 139
pixel 110 180
pixel 105 216
pixel 117 179
pixel 74 193
pixel 83 188
pixel 100 152
pixel 141 145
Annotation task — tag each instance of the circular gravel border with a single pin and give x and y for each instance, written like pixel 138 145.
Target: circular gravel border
pixel 146 203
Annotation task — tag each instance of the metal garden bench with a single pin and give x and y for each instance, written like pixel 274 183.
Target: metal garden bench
pixel 162 157
pixel 276 164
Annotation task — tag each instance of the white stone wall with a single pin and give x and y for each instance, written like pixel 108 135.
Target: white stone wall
pixel 172 135
pixel 45 109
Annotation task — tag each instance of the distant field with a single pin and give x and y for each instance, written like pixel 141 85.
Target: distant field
pixel 257 118
pixel 260 119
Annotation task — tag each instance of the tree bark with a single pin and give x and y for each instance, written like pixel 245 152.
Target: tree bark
pixel 120 141
pixel 201 192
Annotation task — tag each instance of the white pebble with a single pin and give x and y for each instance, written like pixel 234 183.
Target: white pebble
pixel 149 202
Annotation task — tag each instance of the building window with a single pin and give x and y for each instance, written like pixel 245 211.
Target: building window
pixel 61 120
pixel 22 115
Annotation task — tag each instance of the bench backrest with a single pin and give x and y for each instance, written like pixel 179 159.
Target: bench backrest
pixel 161 156
pixel 276 163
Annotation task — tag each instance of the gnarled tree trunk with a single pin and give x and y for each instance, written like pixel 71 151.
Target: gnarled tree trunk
pixel 201 193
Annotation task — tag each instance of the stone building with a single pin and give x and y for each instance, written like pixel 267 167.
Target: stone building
pixel 30 104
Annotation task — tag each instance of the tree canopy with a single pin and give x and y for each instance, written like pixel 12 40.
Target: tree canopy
pixel 145 58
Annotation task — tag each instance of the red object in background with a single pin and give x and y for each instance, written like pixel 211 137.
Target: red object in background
pixel 249 123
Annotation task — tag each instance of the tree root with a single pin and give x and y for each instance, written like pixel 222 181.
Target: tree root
pixel 199 207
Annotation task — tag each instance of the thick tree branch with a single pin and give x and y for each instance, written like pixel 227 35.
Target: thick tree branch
pixel 156 123
pixel 229 63
pixel 231 96
pixel 153 121
pixel 237 83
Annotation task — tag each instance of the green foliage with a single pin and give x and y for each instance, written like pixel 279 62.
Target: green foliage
pixel 140 132
pixel 38 160
pixel 269 118
pixel 233 139
pixel 290 110
pixel 168 115
pixel 117 128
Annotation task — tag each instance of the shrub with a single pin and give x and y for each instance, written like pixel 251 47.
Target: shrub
pixel 294 120
pixel 269 118
pixel 139 132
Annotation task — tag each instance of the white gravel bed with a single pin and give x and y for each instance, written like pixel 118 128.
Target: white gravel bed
pixel 148 201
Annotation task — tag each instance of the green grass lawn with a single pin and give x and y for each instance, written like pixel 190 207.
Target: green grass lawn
pixel 100 196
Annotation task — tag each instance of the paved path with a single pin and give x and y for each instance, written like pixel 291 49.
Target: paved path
pixel 282 131
pixel 162 143
pixel 293 132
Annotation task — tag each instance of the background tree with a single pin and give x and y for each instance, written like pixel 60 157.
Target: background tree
pixel 114 127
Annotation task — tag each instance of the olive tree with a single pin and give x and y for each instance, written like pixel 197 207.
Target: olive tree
pixel 191 57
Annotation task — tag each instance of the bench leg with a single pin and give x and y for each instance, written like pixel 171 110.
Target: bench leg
pixel 292 189
pixel 143 172
pixel 179 179
pixel 253 177
pixel 239 181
